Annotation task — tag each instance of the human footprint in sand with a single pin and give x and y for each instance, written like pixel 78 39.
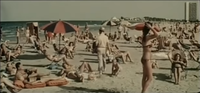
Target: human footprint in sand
pixel 84 72
pixel 116 68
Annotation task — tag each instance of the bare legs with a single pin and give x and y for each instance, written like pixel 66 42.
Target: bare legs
pixel 177 75
pixel 85 67
pixel 147 75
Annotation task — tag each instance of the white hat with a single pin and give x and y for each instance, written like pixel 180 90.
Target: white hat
pixel 102 28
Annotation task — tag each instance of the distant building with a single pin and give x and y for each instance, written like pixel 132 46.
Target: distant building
pixel 190 11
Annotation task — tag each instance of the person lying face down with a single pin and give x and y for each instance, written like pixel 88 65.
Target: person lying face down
pixel 116 68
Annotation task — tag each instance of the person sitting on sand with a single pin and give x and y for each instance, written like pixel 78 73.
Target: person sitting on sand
pixel 54 58
pixel 115 36
pixel 116 68
pixel 31 76
pixel 88 47
pixel 84 72
pixel 13 55
pixel 5 82
pixel 125 55
pixel 177 66
pixel 154 64
pixel 70 50
pixel 127 38
pixel 10 68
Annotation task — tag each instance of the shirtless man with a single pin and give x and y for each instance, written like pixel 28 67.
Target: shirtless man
pixel 116 68
pixel 5 82
pixel 30 76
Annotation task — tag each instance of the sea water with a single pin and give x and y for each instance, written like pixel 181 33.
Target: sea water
pixel 9 28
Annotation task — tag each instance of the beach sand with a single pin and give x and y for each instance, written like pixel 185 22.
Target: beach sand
pixel 128 81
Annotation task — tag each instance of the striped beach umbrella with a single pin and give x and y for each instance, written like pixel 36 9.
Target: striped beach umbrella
pixel 60 27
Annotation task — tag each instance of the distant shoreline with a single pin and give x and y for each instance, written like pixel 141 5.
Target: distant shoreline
pixel 52 20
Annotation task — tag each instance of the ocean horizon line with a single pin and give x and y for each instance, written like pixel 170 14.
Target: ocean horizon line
pixel 51 20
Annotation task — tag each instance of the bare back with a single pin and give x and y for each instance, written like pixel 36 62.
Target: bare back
pixel 21 75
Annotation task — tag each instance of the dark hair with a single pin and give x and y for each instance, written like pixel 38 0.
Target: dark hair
pixel 145 31
pixel 17 65
pixel 71 43
pixel 175 56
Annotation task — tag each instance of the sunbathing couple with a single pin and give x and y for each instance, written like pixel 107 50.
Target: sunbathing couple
pixel 10 55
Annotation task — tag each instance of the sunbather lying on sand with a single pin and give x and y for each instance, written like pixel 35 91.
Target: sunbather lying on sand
pixel 84 72
pixel 125 55
pixel 12 55
pixel 32 76
pixel 10 68
pixel 5 82
pixel 54 58
pixel 116 68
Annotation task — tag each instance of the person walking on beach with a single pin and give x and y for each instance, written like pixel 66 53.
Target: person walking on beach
pixel 17 34
pixel 102 44
pixel 120 29
pixel 147 66
pixel 27 35
pixel 1 33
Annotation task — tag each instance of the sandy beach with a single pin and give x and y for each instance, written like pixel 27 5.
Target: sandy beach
pixel 128 81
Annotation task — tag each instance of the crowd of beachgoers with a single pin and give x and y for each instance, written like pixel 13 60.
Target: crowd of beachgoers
pixel 178 42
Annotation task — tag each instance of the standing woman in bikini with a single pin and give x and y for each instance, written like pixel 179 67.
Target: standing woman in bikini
pixel 147 65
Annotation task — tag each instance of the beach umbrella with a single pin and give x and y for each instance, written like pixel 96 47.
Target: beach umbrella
pixel 109 23
pixel 60 27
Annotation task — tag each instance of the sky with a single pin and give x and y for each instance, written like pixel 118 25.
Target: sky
pixel 89 10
